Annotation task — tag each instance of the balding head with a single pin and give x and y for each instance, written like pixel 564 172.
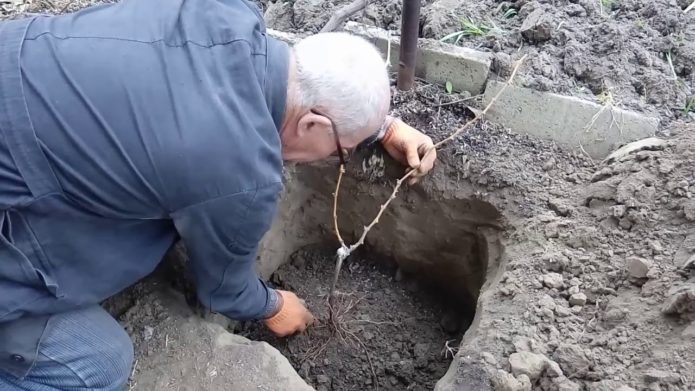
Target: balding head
pixel 341 76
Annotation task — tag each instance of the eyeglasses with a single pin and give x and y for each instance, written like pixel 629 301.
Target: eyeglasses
pixel 341 154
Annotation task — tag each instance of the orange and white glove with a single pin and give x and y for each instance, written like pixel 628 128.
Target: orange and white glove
pixel 409 146
pixel 291 315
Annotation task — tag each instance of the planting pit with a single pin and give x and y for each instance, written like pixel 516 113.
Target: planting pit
pixel 389 327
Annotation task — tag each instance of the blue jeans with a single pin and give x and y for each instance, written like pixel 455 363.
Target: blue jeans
pixel 80 350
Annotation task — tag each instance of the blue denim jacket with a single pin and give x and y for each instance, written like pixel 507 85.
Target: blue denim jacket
pixel 124 127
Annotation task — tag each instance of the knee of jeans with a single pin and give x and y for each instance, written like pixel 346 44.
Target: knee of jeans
pixel 113 364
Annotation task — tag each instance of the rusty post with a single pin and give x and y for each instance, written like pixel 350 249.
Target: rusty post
pixel 410 27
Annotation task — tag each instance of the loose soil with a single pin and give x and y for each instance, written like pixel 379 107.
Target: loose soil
pixel 387 328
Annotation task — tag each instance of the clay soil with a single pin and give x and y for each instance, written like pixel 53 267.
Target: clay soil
pixel 388 328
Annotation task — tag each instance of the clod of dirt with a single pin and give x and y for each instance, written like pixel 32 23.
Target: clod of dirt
pixel 680 299
pixel 537 27
pixel 638 267
pixel 384 331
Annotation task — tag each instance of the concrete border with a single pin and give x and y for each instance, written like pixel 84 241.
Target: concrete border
pixel 570 121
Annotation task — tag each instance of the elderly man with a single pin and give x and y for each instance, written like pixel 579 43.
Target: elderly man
pixel 124 127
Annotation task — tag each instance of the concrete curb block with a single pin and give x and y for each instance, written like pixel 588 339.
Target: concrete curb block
pixel 573 122
pixel 437 62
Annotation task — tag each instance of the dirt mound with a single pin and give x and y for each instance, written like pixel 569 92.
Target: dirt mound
pixel 387 329
pixel 637 54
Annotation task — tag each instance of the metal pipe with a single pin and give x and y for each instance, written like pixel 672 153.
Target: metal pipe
pixel 410 27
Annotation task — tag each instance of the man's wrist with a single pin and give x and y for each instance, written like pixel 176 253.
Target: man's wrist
pixel 385 127
pixel 274 304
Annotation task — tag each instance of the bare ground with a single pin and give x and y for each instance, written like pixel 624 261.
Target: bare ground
pixel 592 290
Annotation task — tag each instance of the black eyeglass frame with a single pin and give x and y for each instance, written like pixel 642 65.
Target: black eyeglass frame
pixel 341 155
pixel 343 160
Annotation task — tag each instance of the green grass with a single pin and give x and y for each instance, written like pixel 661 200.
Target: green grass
pixel 506 10
pixel 470 28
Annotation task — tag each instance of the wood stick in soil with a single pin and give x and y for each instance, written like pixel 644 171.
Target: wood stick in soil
pixel 344 251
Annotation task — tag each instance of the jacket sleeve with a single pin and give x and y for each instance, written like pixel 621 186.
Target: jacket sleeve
pixel 222 236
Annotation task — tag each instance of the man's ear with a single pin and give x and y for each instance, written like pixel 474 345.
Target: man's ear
pixel 311 124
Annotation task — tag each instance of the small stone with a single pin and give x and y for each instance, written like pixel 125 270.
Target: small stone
pixel 527 363
pixel 547 302
pixel 638 267
pixel 525 383
pixel 524 344
pixel 549 165
pixel 680 299
pixel 323 379
pixel 564 384
pixel 614 315
pixel 573 359
pixel 420 350
pixel 395 356
pixel 577 299
pixel 618 210
pixel 548 313
pixel 505 381
pixel 656 247
pixel 689 209
pixel 553 280
pixel 147 333
pixel 658 376
pixel 573 290
pixel 559 207
pixel 553 369
pixel 489 358
pixel 575 10
pixel 562 311
pixel 576 310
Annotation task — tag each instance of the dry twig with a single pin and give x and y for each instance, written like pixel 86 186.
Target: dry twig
pixel 344 251
pixel 342 14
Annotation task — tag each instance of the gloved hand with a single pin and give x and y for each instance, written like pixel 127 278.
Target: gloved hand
pixel 291 316
pixel 409 146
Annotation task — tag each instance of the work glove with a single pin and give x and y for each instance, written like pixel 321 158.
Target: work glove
pixel 409 146
pixel 291 315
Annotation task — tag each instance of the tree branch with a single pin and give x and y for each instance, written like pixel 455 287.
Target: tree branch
pixel 343 14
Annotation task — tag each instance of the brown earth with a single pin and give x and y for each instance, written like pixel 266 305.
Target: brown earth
pixel 581 272
pixel 387 328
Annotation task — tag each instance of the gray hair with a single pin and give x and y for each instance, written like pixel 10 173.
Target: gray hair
pixel 344 74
